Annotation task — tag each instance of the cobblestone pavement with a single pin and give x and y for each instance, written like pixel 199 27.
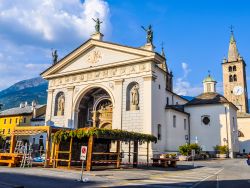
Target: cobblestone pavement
pixel 206 174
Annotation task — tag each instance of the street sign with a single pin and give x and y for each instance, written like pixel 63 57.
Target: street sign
pixel 83 155
pixel 192 152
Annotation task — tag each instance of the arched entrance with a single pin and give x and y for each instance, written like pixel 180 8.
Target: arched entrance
pixel 95 109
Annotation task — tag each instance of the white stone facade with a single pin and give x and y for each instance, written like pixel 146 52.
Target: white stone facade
pixel 222 126
pixel 112 68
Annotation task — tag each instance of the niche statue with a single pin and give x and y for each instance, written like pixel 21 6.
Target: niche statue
pixel 60 107
pixel 134 98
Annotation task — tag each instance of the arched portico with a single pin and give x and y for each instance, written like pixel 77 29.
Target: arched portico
pixel 94 108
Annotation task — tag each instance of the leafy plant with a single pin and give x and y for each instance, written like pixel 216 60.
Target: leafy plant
pixel 117 134
pixel 221 149
pixel 187 148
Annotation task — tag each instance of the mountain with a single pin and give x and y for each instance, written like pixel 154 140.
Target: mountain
pixel 26 90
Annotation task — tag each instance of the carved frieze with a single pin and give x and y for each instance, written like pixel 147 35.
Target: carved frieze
pixel 99 74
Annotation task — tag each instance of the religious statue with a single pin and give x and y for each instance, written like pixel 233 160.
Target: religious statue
pixel 61 103
pixel 98 25
pixel 135 98
pixel 149 32
pixel 54 56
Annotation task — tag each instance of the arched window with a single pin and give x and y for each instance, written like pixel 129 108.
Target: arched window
pixel 59 104
pixel 230 78
pixel 234 68
pixel 133 96
pixel 230 69
pixel 235 78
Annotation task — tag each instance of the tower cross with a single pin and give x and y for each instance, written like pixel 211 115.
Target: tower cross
pixel 162 45
pixel 231 28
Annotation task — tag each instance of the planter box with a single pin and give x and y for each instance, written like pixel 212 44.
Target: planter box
pixel 222 156
pixel 183 158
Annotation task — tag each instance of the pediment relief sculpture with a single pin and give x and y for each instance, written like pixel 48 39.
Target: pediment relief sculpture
pixel 94 57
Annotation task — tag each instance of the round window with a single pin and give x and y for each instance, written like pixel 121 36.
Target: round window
pixel 206 120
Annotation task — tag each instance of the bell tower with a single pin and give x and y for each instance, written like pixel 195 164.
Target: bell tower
pixel 234 77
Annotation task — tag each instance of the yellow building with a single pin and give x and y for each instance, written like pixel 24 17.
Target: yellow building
pixel 25 115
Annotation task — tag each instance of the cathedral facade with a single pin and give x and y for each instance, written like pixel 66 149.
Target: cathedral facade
pixel 106 85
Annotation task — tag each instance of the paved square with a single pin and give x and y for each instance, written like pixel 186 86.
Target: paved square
pixel 207 174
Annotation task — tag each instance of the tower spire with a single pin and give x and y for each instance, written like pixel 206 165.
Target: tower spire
pixel 233 53
pixel 162 50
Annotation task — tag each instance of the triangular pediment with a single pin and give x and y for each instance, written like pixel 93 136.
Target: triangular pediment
pixel 96 54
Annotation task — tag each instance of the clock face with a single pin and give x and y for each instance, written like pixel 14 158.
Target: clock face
pixel 238 90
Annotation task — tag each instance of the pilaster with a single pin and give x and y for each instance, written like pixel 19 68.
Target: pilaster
pixel 69 107
pixel 117 110
pixel 49 110
pixel 148 95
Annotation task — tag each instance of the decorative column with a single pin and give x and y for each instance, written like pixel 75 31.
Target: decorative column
pixel 69 107
pixel 118 106
pixel 94 118
pixel 49 110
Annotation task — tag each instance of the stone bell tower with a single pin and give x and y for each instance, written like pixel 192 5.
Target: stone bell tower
pixel 234 77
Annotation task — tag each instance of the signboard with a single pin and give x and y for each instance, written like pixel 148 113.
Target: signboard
pixel 192 152
pixel 83 155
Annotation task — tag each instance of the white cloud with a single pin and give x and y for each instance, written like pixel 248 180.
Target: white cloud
pixel 52 20
pixel 183 86
pixel 185 69
pixel 29 29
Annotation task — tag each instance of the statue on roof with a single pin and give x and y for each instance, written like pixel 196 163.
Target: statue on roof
pixel 149 32
pixel 54 56
pixel 98 25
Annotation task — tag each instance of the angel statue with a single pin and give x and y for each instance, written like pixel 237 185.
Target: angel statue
pixel 98 25
pixel 149 32
pixel 54 56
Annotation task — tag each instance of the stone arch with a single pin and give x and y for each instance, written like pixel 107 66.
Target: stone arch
pixel 99 107
pixel 130 104
pixel 86 89
pixel 59 104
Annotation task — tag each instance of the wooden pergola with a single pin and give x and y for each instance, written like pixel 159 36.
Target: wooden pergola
pixel 34 130
pixel 95 133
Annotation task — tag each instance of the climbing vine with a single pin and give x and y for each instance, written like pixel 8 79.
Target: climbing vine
pixel 115 134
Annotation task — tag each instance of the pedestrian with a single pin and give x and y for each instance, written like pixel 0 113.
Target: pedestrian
pixel 248 159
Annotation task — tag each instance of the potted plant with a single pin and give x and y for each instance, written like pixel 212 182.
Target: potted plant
pixel 221 151
pixel 185 150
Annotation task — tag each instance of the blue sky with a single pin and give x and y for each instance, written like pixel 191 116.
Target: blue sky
pixel 195 33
